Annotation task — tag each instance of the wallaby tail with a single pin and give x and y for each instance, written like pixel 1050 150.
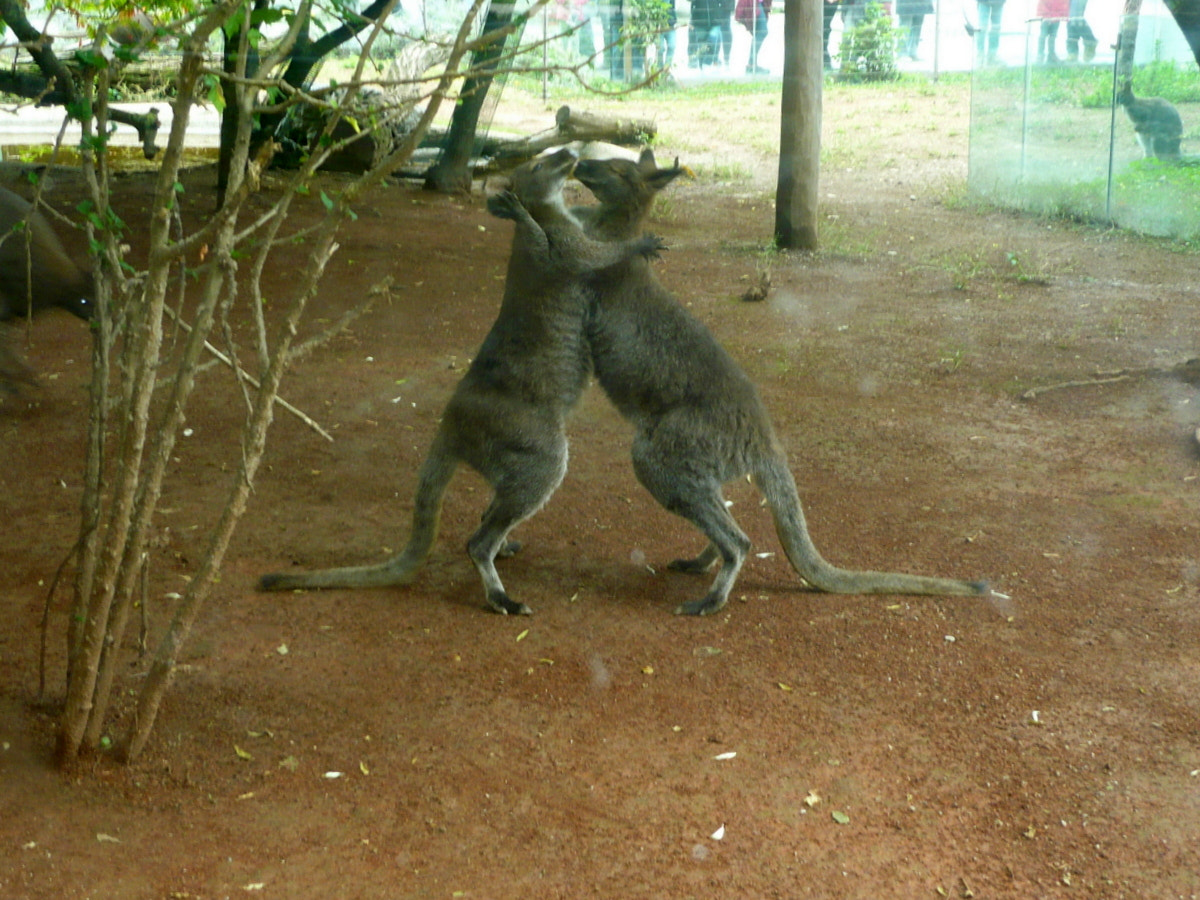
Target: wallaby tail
pixel 435 475
pixel 775 480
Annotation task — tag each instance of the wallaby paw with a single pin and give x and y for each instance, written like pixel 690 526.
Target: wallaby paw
pixel 651 246
pixel 498 601
pixel 507 549
pixel 504 205
pixel 705 607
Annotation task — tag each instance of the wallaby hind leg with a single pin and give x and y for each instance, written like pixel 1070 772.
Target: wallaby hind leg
pixel 521 490
pixel 729 542
pixel 698 499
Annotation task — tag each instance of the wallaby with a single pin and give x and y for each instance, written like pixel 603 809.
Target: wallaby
pixel 1156 123
pixel 507 416
pixel 57 281
pixel 55 278
pixel 699 422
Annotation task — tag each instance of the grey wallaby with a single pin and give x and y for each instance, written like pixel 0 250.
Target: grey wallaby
pixel 699 422
pixel 31 254
pixel 507 416
pixel 1156 122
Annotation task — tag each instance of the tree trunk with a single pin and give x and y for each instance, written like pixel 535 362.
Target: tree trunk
pixel 1187 17
pixel 1127 39
pixel 796 197
pixel 231 43
pixel 452 172
pixel 307 54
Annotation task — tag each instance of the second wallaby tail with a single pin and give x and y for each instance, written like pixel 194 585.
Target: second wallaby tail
pixel 775 480
pixel 435 475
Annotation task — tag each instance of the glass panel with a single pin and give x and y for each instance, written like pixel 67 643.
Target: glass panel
pixel 1052 138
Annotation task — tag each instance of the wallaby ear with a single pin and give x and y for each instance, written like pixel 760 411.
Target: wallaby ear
pixel 646 161
pixel 660 178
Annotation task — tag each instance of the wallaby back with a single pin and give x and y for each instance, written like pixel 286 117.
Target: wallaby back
pixel 56 280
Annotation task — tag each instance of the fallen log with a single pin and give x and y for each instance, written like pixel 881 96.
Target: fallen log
pixel 569 126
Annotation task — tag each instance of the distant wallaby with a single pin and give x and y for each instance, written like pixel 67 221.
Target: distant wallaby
pixel 1156 123
pixel 698 418
pixel 56 280
pixel 507 417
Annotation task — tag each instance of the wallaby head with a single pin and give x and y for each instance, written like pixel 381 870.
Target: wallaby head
pixel 626 186
pixel 540 181
pixel 76 296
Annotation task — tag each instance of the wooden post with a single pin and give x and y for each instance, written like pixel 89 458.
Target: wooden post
pixel 797 191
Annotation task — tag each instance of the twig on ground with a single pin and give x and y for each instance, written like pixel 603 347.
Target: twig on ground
pixel 303 417
pixel 1188 371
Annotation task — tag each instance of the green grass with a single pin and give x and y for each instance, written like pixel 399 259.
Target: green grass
pixel 1090 87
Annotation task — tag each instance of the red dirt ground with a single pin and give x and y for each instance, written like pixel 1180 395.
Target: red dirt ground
pixel 886 747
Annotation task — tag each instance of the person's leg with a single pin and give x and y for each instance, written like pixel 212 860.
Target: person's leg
pixel 994 32
pixel 983 17
pixel 759 34
pixel 827 31
pixel 912 39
